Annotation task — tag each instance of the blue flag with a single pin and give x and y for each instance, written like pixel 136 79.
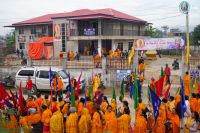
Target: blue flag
pixel 16 95
pixel 156 104
pixel 50 76
pixel 56 82
pixel 70 86
pixel 183 105
pixel 131 90
pixel 8 104
pixel 85 96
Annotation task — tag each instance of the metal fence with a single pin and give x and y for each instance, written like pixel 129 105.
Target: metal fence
pixel 118 64
pixel 194 62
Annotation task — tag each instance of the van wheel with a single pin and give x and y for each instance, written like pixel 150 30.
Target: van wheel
pixel 34 90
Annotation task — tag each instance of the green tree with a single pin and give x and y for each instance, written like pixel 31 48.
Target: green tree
pixel 196 36
pixel 153 32
pixel 10 38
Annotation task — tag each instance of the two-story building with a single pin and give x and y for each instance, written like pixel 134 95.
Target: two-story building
pixel 82 30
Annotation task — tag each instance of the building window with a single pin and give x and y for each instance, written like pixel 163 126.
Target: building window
pixel 120 46
pixel 63 36
pixel 21 30
pixel 21 46
pixel 130 45
pixel 33 30
pixel 44 29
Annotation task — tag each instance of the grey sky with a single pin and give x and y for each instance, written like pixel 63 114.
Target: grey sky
pixel 153 11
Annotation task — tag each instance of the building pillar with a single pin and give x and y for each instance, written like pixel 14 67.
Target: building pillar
pixel 99 46
pixel 99 27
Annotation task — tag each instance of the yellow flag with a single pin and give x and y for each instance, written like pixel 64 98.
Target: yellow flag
pixel 131 55
pixel 187 52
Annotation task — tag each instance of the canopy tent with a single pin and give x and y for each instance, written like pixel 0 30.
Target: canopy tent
pixel 40 48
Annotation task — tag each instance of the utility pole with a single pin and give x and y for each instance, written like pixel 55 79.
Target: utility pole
pixel 188 41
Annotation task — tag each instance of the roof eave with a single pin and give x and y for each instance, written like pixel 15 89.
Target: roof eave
pixel 28 24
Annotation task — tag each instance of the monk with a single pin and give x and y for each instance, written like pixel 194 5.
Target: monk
pixel 57 85
pixel 89 105
pixel 30 103
pixel 60 102
pixel 88 118
pixel 191 125
pixel 174 120
pixel 114 105
pixel 71 55
pixel 46 116
pixel 97 125
pixel 95 83
pixel 123 122
pixel 104 104
pixel 24 123
pixel 193 103
pixel 80 106
pixel 177 100
pixel 186 84
pixel 152 84
pixel 39 100
pixel 34 120
pixel 142 68
pixel 72 121
pixel 54 104
pixel 111 54
pixel 161 120
pixel 56 122
pixel 83 124
pixel 66 107
pixel 46 101
pixel 140 107
pixel 111 120
pixel 140 125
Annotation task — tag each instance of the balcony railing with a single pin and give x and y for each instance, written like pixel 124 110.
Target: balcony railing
pixel 107 32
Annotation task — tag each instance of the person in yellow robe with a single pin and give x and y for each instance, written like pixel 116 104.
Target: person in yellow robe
pixel 111 54
pixel 60 102
pixel 142 68
pixel 66 107
pixel 97 122
pixel 186 83
pixel 111 120
pixel 56 122
pixel 88 118
pixel 95 83
pixel 72 121
pixel 34 120
pixel 114 105
pixel 82 124
pixel 80 106
pixel 46 116
pixel 140 125
pixel 89 106
pixel 191 125
pixel 123 122
pixel 193 103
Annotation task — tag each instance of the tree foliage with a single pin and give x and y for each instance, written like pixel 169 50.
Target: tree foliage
pixel 10 38
pixel 196 36
pixel 153 32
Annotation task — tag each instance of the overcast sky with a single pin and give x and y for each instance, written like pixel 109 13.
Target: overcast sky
pixel 158 12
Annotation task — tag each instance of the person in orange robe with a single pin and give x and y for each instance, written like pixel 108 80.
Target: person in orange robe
pixel 12 124
pixel 97 123
pixel 24 123
pixel 39 100
pixel 123 122
pixel 54 104
pixel 34 120
pixel 66 107
pixel 174 120
pixel 46 101
pixel 46 116
pixel 104 104
pixel 80 106
pixel 111 120
pixel 30 103
pixel 186 84
pixel 177 100
pixel 140 107
pixel 60 102
pixel 150 120
pixel 88 118
pixel 72 121
pixel 57 85
pixel 152 84
pixel 83 124
pixel 140 125
pixel 142 68
pixel 89 106
pixel 161 120
pixel 193 103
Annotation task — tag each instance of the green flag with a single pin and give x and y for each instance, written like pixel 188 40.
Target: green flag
pixel 122 91
pixel 162 73
pixel 72 98
pixel 148 93
pixel 113 94
pixel 135 92
pixel 89 88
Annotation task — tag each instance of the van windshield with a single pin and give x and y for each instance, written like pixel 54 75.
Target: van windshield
pixel 63 74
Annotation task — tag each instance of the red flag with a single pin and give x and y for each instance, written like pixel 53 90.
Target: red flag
pixel 159 86
pixel 167 91
pixel 21 98
pixel 14 98
pixel 77 86
pixel 3 96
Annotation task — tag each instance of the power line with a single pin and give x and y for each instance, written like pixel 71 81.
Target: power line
pixel 165 18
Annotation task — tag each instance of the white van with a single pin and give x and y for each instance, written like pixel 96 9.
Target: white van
pixel 40 77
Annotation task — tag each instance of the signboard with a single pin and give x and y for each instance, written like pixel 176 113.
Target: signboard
pixel 89 32
pixel 122 74
pixel 159 43
pixel 57 32
pixel 184 7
